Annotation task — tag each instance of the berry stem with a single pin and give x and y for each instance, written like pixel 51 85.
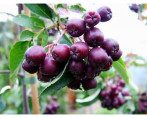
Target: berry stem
pixel 60 37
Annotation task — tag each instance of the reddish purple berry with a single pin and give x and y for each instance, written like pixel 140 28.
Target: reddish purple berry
pixel 117 55
pixel 49 66
pixel 92 18
pixel 27 67
pixel 111 46
pixel 98 58
pixel 89 84
pixel 35 55
pixel 105 13
pixel 76 27
pixel 79 51
pixel 61 53
pixel 75 84
pixel 94 37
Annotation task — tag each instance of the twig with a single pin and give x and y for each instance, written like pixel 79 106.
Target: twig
pixel 4 71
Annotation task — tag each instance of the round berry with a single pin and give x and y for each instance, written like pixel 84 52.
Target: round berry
pixel 94 37
pixel 79 51
pixel 103 94
pixel 89 84
pixel 27 67
pixel 92 18
pixel 108 65
pixel 117 55
pixel 111 46
pixel 98 58
pixel 105 13
pixel 122 83
pixel 49 66
pixel 44 78
pixel 35 55
pixel 75 84
pixel 90 72
pixel 61 53
pixel 76 67
pixel 126 93
pixel 76 27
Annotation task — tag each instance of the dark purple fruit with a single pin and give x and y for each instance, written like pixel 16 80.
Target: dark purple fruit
pixel 89 84
pixel 27 67
pixel 122 83
pixel 103 94
pixel 98 58
pixel 92 18
pixel 117 55
pixel 35 55
pixel 61 53
pixel 76 67
pixel 76 27
pixel 126 93
pixel 111 46
pixel 49 66
pixel 44 78
pixel 105 13
pixel 75 84
pixel 108 65
pixel 94 37
pixel 79 51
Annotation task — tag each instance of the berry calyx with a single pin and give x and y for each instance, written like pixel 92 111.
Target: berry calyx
pixel 94 37
pixel 79 51
pixel 92 18
pixel 76 27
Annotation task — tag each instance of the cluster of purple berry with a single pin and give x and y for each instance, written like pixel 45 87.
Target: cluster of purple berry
pixel 99 53
pixel 113 96
pixel 134 7
pixel 53 107
pixel 142 102
pixel 87 59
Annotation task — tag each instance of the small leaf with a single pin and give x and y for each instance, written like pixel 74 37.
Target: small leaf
pixel 65 40
pixel 62 80
pixel 90 99
pixel 60 6
pixel 17 56
pixel 121 69
pixel 26 35
pixel 42 10
pixel 105 74
pixel 30 22
pixel 43 38
pixel 77 7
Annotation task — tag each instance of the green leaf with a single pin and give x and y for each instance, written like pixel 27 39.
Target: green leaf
pixel 42 10
pixel 17 56
pixel 43 38
pixel 90 99
pixel 30 22
pixel 105 74
pixel 63 79
pixel 60 6
pixel 77 7
pixel 26 35
pixel 65 39
pixel 121 69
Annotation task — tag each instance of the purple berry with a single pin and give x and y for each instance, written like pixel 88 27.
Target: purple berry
pixel 89 84
pixel 75 84
pixel 117 55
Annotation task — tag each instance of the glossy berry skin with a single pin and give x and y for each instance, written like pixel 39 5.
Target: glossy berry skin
pixel 76 67
pixel 117 55
pixel 98 58
pixel 49 66
pixel 75 84
pixel 111 46
pixel 108 65
pixel 94 37
pixel 61 53
pixel 105 13
pixel 44 78
pixel 89 84
pixel 76 27
pixel 35 55
pixel 30 69
pixel 92 18
pixel 79 51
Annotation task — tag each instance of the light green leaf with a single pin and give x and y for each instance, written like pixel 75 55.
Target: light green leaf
pixel 65 39
pixel 30 22
pixel 43 38
pixel 42 10
pixel 26 35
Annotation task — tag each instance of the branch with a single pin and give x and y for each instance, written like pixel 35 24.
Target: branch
pixel 4 71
